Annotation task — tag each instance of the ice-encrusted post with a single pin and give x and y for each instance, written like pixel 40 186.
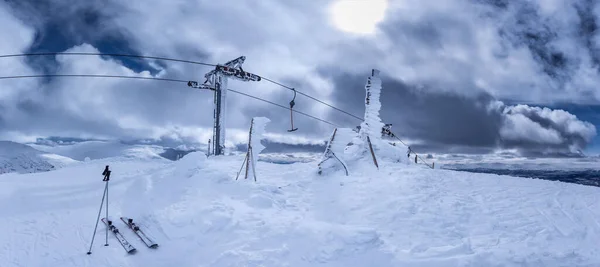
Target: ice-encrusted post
pixel 370 128
pixel 257 129
pixel 372 125
pixel 332 146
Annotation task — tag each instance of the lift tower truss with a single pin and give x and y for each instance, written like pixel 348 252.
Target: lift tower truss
pixel 216 80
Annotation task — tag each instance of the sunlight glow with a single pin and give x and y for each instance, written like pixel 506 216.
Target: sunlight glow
pixel 358 16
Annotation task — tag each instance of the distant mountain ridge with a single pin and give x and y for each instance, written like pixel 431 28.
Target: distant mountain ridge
pixel 20 158
pixel 46 154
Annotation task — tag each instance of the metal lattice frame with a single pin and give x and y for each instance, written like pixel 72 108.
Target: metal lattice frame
pixel 216 80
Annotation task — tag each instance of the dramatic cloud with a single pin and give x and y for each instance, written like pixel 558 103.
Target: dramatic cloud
pixel 441 122
pixel 455 71
pixel 16 37
pixel 544 131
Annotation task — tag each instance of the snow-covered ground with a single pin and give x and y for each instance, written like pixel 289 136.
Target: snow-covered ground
pixel 400 215
pixel 16 157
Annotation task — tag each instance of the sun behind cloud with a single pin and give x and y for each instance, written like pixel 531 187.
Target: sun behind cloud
pixel 358 16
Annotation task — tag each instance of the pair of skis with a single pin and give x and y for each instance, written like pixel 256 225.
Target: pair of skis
pixel 136 229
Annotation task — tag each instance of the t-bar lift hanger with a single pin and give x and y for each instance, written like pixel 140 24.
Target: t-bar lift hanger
pixel 292 103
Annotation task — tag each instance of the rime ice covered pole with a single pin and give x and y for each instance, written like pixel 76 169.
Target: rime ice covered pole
pixel 370 128
pixel 334 150
pixel 372 124
pixel 257 130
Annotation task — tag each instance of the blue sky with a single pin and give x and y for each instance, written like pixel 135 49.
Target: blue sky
pixel 459 77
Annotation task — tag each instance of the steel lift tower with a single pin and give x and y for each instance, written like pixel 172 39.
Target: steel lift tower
pixel 216 80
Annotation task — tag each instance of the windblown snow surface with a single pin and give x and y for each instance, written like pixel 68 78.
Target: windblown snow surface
pixel 399 215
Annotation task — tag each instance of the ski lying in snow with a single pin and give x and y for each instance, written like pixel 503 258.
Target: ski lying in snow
pixel 128 247
pixel 136 229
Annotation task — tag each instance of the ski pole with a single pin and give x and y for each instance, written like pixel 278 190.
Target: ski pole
pixel 106 244
pixel 106 174
pixel 98 219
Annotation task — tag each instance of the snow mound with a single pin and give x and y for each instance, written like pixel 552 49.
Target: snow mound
pixel 399 215
pixel 20 158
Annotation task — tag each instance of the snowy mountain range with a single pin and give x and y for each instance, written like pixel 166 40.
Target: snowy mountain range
pixel 102 149
pixel 46 155
pixel 16 157
pixel 31 158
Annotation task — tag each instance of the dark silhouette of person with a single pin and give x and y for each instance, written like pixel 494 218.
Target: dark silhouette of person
pixel 106 174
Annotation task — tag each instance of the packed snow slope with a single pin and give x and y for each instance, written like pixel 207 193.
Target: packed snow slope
pixel 400 215
pixel 15 157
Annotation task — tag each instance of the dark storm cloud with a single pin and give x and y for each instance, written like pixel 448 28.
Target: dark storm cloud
pixel 442 118
pixel 61 25
pixel 450 123
pixel 588 25
pixel 444 64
